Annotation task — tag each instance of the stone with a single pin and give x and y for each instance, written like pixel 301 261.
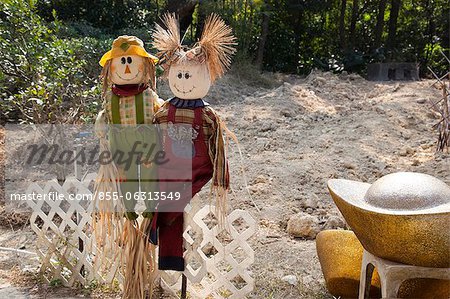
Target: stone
pixel 421 101
pixel 261 179
pixel 406 135
pixel 30 269
pixel 310 202
pixel 287 113
pixel 426 145
pixel 406 151
pixel 303 225
pixel 403 152
pixel 334 222
pixel 349 165
pixel 290 279
pixel 319 81
pixel 380 109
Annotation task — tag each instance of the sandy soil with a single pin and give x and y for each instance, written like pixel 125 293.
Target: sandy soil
pixel 297 135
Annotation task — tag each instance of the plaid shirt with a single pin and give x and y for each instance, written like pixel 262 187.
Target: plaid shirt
pixel 127 107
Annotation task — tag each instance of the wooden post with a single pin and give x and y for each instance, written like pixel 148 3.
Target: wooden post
pixel 183 286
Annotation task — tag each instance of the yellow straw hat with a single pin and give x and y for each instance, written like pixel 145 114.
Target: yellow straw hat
pixel 126 45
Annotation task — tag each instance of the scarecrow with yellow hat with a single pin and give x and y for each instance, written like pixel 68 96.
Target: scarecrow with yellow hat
pixel 125 129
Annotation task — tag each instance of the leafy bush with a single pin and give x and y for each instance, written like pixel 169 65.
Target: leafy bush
pixel 43 78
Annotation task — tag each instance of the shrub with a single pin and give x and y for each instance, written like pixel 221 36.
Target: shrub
pixel 44 78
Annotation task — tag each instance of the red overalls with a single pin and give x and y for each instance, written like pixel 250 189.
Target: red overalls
pixel 194 176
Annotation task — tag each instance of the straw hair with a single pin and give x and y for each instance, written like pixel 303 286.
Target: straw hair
pixel 167 41
pixel 215 48
pixel 218 44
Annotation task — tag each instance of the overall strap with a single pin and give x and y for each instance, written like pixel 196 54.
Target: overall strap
pixel 139 107
pixel 115 109
pixel 171 115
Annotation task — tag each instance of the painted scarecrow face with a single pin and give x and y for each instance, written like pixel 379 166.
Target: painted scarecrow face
pixel 189 80
pixel 128 69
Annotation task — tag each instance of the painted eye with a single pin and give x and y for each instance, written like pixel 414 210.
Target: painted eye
pixel 180 75
pixel 187 76
pixel 123 60
pixel 129 60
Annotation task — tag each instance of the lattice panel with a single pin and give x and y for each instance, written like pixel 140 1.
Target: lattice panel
pixel 217 258
pixel 64 245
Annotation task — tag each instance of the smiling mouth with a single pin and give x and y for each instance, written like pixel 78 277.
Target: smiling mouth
pixel 182 91
pixel 130 78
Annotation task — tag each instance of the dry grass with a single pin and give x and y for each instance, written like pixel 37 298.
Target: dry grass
pixel 243 71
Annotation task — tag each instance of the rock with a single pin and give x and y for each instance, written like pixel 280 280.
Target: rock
pixel 416 162
pixel 261 179
pixel 310 202
pixel 287 113
pixel 319 81
pixel 344 75
pixel 406 135
pixel 410 150
pixel 257 189
pixel 303 225
pixel 421 101
pixel 290 279
pixel 380 166
pixel 426 145
pixel 334 222
pixel 349 165
pixel 268 126
pixel 406 151
pixel 380 109
pixel 29 269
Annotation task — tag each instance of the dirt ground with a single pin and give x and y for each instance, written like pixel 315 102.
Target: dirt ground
pixel 294 136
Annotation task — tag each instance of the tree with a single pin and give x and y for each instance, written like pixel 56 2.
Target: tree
pixel 184 9
pixel 201 17
pixel 264 32
pixel 395 9
pixel 355 10
pixel 380 24
pixel 342 24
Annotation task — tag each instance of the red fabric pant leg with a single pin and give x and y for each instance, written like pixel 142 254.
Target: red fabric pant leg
pixel 170 241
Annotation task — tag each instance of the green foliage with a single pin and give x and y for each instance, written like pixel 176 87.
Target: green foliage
pixel 43 78
pixel 49 49
pixel 109 15
pixel 55 283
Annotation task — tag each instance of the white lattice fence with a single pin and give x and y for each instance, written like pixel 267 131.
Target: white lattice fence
pixel 64 231
pixel 217 258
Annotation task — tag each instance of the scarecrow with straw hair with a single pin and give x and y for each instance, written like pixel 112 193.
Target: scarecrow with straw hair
pixel 125 127
pixel 192 132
